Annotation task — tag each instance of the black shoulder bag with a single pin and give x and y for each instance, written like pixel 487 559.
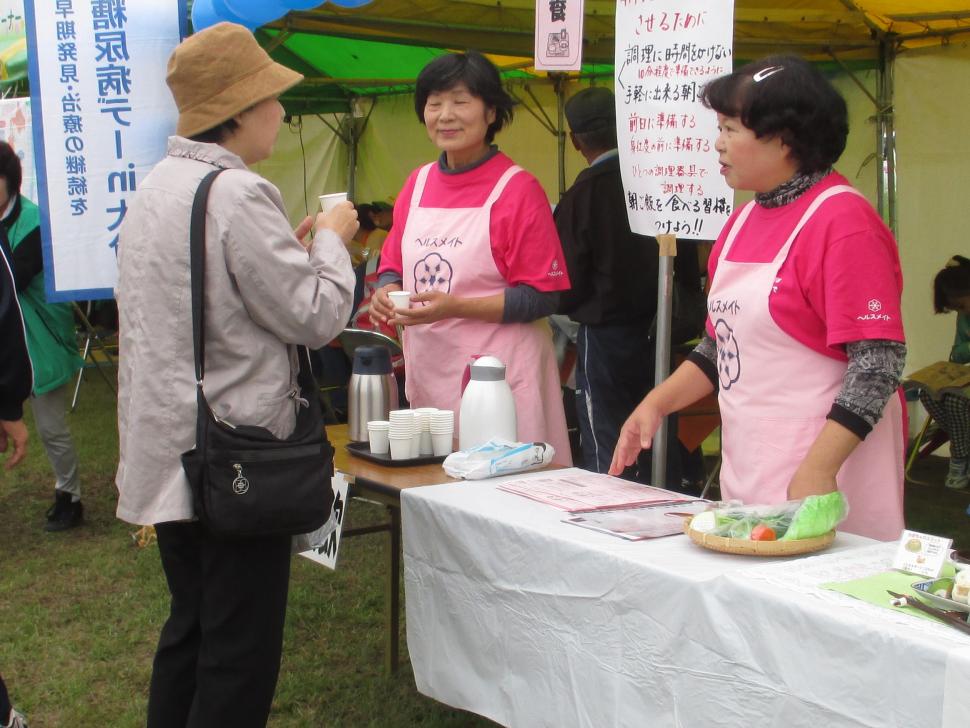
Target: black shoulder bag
pixel 245 481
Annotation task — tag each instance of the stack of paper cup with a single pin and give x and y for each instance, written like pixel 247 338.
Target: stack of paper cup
pixel 401 434
pixel 442 431
pixel 377 433
pixel 422 419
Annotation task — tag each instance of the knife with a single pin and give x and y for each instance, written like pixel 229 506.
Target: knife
pixel 915 603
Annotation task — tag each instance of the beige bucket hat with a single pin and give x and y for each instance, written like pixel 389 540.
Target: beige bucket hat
pixel 219 72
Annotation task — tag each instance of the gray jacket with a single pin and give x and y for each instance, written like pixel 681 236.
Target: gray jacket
pixel 263 292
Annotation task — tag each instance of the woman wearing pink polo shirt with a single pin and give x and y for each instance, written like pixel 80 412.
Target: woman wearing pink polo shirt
pixel 474 240
pixel 804 340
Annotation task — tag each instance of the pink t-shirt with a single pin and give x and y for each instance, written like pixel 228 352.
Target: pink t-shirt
pixel 525 244
pixel 842 279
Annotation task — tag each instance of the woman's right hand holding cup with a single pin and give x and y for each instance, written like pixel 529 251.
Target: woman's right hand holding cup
pixel 342 219
pixel 381 305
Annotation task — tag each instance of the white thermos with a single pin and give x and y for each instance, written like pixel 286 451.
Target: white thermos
pixel 487 405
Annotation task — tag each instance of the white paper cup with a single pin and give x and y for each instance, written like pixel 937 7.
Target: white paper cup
pixel 400 299
pixel 328 202
pixel 426 447
pixel 400 447
pixel 401 430
pixel 441 442
pixel 378 437
pixel 416 444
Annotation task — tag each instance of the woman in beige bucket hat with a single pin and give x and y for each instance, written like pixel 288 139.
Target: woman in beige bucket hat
pixel 219 653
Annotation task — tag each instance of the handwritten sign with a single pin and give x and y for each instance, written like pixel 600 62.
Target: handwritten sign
pixel 325 541
pixel 666 50
pixel 103 114
pixel 559 35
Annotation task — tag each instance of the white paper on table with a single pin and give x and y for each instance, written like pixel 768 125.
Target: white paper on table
pixel 581 492
pixel 637 524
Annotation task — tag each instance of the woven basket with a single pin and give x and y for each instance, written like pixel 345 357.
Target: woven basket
pixel 747 547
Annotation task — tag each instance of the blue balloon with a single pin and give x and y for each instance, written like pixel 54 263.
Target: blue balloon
pixel 203 15
pixel 304 4
pixel 254 13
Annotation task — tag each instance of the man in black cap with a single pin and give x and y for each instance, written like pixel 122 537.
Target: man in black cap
pixel 614 293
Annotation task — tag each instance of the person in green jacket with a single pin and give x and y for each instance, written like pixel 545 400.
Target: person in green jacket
pixel 951 292
pixel 51 343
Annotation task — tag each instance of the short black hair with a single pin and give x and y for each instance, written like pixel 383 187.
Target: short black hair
pixel 785 96
pixel 477 73
pixel 217 134
pixel 596 140
pixel 364 211
pixel 951 283
pixel 11 169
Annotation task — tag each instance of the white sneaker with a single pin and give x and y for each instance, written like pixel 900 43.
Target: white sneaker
pixel 958 476
pixel 16 719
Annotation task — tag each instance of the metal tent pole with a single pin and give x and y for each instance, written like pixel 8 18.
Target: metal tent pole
pixel 560 87
pixel 886 133
pixel 665 288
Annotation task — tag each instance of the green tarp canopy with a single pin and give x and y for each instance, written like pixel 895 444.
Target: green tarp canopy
pixel 380 47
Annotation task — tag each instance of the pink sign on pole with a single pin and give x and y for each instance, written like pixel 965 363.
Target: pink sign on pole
pixel 559 35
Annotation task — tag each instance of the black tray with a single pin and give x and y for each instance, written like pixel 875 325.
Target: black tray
pixel 362 450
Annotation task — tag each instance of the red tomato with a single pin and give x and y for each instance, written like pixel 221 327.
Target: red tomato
pixel 761 532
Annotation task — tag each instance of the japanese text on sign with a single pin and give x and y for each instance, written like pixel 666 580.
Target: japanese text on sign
pixel 559 35
pixel 666 51
pixel 97 77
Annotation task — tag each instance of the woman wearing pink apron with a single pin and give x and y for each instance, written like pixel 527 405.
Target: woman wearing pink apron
pixel 804 340
pixel 475 243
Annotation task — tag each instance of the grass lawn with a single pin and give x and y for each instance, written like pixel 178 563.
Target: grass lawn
pixel 81 610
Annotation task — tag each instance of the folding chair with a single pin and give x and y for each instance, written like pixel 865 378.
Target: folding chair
pixel 694 424
pixel 930 438
pixel 92 338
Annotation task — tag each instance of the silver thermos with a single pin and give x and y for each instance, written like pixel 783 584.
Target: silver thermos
pixel 372 391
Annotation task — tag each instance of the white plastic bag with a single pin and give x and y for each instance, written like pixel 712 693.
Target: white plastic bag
pixel 498 457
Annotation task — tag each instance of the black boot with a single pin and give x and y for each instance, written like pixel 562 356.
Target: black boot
pixel 65 513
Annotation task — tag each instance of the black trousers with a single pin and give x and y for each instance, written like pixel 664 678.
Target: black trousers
pixel 614 371
pixel 219 652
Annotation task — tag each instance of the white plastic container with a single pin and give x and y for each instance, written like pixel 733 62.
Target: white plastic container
pixel 487 406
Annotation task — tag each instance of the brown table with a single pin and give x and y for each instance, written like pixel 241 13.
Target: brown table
pixel 384 485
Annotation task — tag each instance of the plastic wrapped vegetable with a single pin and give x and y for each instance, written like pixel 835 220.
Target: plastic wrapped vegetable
pixel 740 521
pixel 798 519
pixel 818 514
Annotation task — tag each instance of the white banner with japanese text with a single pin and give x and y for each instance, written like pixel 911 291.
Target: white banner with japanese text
pixel 102 115
pixel 666 50
pixel 559 35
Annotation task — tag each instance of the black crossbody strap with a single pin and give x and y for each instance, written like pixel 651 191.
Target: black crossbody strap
pixel 197 263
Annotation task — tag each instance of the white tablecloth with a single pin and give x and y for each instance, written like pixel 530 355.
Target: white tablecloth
pixel 531 622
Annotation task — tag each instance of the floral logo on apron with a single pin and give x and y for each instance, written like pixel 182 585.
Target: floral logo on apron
pixel 432 273
pixel 728 354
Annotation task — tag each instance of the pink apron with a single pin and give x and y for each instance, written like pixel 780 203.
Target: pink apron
pixel 449 250
pixel 774 395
